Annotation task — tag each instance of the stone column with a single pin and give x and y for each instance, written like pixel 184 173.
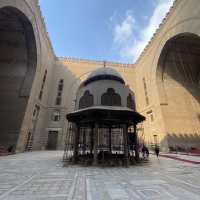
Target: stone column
pixel 135 132
pixel 84 141
pixel 76 142
pixel 126 148
pixel 91 139
pixel 136 143
pixel 110 140
pixel 95 161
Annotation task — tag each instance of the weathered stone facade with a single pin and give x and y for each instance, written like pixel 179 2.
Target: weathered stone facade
pixel 38 90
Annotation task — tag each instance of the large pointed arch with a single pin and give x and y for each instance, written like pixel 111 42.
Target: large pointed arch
pixel 18 61
pixel 178 82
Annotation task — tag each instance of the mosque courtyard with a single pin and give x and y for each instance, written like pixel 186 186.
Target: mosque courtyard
pixel 40 176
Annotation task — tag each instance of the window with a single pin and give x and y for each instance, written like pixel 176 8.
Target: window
pixel 110 98
pixel 86 100
pixel 36 112
pixel 60 87
pixel 58 101
pixel 40 95
pixel 56 116
pixel 151 117
pixel 59 92
pixel 145 91
pixel 147 100
pixel 43 83
pixel 150 113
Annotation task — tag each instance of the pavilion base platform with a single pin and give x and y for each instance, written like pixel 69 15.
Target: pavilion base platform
pixel 104 159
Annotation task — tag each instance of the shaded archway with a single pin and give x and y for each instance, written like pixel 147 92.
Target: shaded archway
pixel 178 80
pixel 18 58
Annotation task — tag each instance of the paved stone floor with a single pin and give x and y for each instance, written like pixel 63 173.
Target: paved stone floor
pixel 40 176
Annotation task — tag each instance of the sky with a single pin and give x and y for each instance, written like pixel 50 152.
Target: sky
pixel 107 30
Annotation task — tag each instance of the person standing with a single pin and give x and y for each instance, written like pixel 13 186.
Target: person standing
pixel 157 150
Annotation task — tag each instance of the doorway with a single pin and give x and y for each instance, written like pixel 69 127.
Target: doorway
pixel 52 140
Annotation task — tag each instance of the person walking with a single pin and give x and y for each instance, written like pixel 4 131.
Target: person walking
pixel 147 151
pixel 157 150
pixel 143 152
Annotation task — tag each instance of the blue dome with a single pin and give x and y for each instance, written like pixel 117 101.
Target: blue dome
pixel 104 73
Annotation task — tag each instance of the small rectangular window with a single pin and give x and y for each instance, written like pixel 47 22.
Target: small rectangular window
pixel 40 95
pixel 42 86
pixel 56 116
pixel 58 101
pixel 34 112
pixel 151 117
pixel 149 112
pixel 145 91
pixel 60 87
pixel 59 94
pixel 147 100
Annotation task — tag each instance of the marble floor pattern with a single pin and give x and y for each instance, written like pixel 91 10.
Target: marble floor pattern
pixel 40 176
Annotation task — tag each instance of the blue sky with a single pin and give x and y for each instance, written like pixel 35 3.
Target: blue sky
pixel 114 30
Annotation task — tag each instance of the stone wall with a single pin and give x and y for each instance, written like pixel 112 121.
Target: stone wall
pixel 177 117
pixel 30 75
pixel 16 54
pixel 73 72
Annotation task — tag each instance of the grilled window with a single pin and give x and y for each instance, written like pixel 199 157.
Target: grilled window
pixel 110 98
pixel 86 100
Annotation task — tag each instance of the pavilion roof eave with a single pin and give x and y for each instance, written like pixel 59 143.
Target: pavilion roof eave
pixel 103 108
pixel 111 114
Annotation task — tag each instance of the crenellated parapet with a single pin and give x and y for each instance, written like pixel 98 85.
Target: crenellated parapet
pixel 95 62
pixel 34 4
pixel 161 26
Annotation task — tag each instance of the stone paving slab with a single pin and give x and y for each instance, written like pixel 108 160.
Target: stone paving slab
pixel 40 176
pixel 186 158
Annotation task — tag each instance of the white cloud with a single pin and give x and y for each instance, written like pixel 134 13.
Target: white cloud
pixel 123 31
pixel 130 46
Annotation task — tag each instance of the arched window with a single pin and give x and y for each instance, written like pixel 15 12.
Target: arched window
pixel 110 98
pixel 86 100
pixel 56 116
pixel 130 102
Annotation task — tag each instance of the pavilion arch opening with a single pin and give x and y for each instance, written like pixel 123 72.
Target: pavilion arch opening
pixel 178 81
pixel 86 100
pixel 110 98
pixel 18 58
